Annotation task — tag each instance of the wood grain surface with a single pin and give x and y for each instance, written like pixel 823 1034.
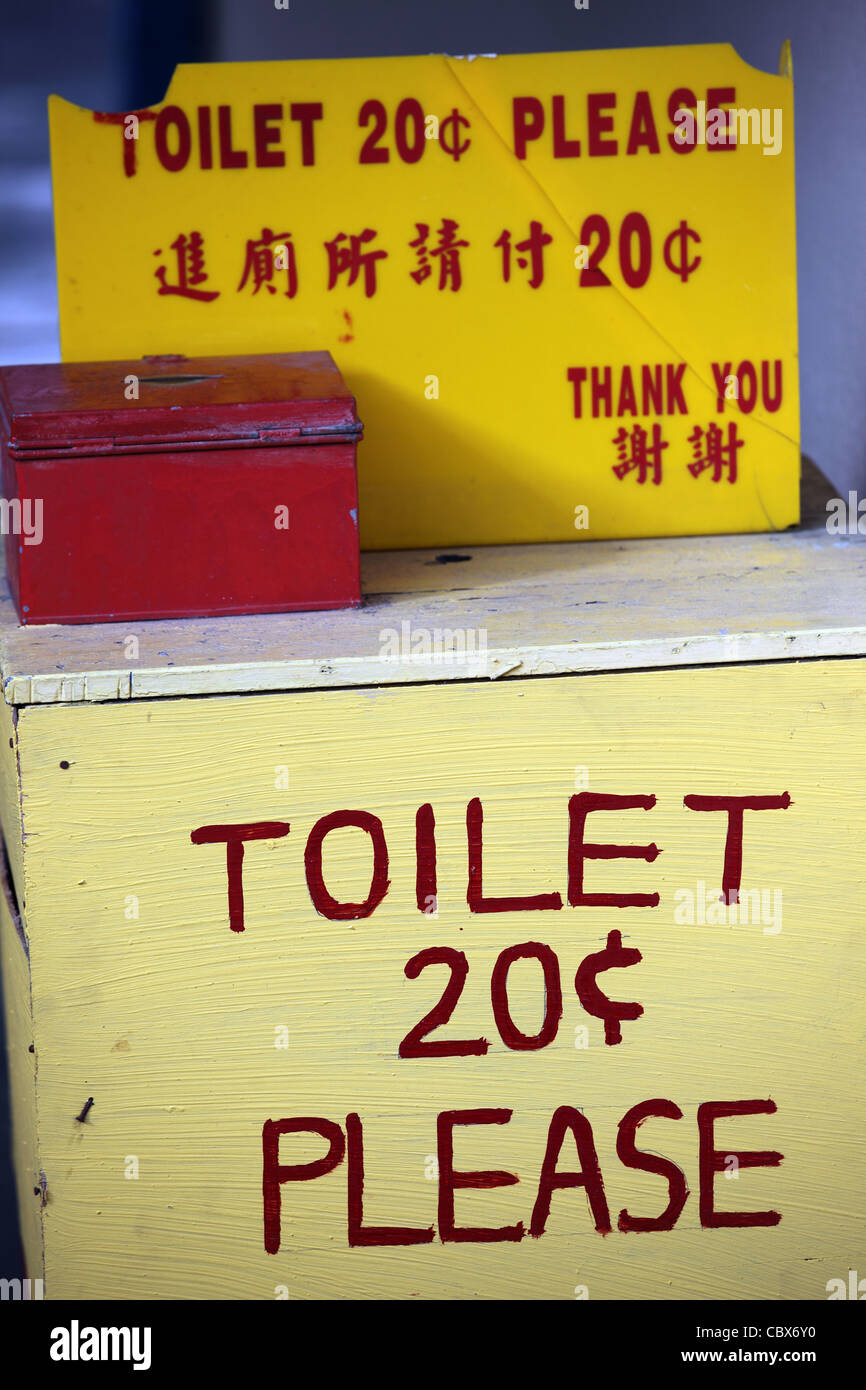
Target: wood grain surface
pixel 144 1000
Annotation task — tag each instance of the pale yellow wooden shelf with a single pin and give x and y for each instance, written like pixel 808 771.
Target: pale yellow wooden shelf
pixel 541 609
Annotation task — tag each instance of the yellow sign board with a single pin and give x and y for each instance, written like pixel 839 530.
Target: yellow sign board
pixel 441 1021
pixel 562 286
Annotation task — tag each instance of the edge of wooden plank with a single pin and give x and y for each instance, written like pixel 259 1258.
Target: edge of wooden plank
pixel 22 1070
pixel 233 678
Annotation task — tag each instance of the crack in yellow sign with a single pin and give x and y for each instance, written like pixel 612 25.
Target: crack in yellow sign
pixel 562 286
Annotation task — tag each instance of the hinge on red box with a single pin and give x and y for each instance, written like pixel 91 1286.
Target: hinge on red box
pixel 79 446
pixel 282 435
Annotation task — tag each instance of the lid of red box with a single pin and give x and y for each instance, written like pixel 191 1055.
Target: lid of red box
pixel 73 408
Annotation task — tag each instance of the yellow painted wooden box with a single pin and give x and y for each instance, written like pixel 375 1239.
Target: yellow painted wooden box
pixel 475 718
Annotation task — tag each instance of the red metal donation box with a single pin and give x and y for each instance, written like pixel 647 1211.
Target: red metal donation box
pixel 175 487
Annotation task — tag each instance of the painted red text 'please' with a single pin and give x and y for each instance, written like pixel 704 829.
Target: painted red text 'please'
pixel 569 1160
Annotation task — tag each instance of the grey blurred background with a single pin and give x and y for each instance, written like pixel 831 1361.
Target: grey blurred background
pixel 119 54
